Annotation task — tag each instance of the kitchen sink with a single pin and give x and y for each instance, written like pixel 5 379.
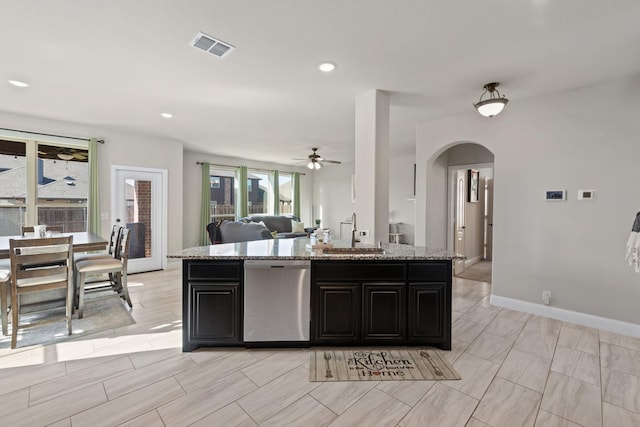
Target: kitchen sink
pixel 353 251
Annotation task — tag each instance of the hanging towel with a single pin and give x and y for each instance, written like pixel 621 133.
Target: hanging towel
pixel 633 245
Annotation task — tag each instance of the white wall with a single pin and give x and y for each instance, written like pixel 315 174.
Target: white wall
pixel 121 148
pixel 431 187
pixel 583 139
pixel 372 165
pixel 332 196
pixel 402 211
pixel 192 184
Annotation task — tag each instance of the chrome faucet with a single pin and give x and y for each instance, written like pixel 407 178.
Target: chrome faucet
pixel 353 230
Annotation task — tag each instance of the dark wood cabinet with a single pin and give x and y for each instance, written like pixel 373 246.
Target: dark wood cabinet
pixel 429 308
pixel 384 312
pixel 212 304
pixel 353 302
pixel 425 310
pixel 214 311
pixel 338 313
pixel 381 303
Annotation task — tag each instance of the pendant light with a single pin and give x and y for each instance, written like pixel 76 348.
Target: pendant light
pixel 492 105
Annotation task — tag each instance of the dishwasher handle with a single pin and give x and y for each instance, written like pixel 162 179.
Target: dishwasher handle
pixel 276 264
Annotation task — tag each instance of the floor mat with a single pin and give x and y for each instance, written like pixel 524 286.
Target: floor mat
pixel 379 365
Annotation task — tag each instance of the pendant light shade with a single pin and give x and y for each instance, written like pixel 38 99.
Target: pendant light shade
pixel 492 105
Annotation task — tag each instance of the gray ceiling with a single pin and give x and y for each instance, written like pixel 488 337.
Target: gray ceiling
pixel 119 64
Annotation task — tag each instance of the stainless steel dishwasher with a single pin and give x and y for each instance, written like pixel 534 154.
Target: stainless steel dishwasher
pixel 277 301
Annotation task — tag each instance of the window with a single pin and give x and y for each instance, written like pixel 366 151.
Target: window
pixel 260 189
pixel 43 183
pixel 225 189
pixel 285 186
pixel 223 196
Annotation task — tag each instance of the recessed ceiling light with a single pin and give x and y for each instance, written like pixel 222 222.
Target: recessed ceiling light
pixel 18 83
pixel 167 115
pixel 326 67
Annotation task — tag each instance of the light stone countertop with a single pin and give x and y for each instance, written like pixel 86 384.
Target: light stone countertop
pixel 298 249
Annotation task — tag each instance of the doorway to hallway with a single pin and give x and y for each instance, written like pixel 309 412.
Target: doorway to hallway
pixel 470 227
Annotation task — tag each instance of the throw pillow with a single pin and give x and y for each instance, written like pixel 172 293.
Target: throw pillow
pixel 297 227
pixel 262 224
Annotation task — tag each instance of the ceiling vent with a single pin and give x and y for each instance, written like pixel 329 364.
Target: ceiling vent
pixel 213 46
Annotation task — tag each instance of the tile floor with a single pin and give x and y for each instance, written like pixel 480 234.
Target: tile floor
pixel 517 370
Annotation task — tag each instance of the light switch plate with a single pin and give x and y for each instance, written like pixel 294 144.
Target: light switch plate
pixel 586 194
pixel 555 195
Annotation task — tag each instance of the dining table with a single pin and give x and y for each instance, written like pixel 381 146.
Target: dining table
pixel 83 241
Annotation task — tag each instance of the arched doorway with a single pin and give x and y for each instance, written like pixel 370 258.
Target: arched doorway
pixel 469 208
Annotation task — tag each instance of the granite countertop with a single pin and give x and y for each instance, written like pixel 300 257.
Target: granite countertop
pixel 299 249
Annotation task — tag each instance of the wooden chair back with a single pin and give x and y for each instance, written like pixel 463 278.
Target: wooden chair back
pixel 40 265
pixel 122 247
pixel 26 229
pixel 114 238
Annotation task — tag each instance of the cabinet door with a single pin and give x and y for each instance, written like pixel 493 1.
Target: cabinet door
pixel 427 312
pixel 214 313
pixel 338 313
pixel 384 313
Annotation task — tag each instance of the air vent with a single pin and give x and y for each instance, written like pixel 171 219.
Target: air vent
pixel 212 45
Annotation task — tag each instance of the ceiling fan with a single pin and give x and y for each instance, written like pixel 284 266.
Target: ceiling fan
pixel 315 160
pixel 62 153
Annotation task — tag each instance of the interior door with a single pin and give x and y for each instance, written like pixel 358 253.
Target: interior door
pixel 459 227
pixel 139 201
pixel 489 213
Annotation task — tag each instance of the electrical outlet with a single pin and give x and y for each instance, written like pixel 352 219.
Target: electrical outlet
pixel 546 297
pixel 364 233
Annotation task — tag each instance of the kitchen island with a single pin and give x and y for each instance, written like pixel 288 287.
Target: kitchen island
pixel 401 296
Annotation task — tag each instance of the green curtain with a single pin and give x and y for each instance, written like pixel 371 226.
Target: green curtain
pixel 205 210
pixel 243 195
pixel 296 194
pixel 276 193
pixel 94 224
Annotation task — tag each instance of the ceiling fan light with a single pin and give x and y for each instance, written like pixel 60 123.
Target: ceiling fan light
pixel 313 164
pixel 65 156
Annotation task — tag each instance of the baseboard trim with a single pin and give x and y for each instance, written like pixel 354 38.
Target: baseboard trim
pixel 469 262
pixel 611 325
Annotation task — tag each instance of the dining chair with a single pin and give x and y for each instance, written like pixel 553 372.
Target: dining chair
pixel 116 266
pixel 40 265
pixel 26 229
pixel 113 242
pixel 5 277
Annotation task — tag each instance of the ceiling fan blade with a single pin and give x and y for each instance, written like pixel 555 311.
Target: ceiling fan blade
pixel 332 161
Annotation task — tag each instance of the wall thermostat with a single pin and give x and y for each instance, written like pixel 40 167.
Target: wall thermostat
pixel 586 194
pixel 555 195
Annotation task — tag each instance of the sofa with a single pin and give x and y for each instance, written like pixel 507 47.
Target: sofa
pixel 280 225
pixel 235 231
